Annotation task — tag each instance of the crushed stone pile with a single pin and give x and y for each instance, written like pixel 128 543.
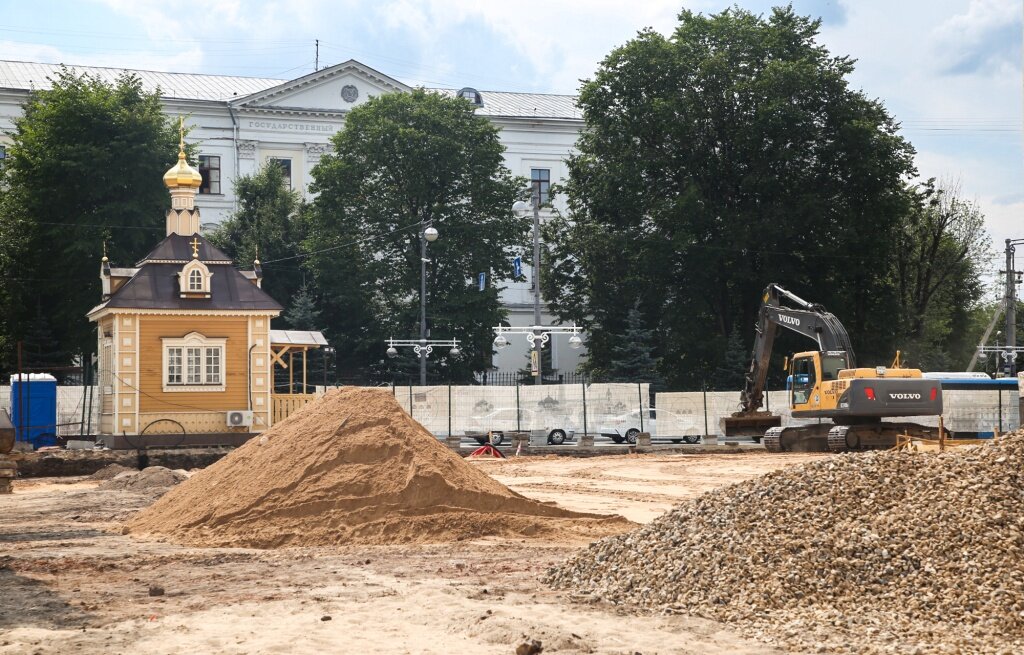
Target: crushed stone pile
pixel 151 477
pixel 352 467
pixel 859 553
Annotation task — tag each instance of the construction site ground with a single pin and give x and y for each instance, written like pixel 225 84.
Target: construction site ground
pixel 72 582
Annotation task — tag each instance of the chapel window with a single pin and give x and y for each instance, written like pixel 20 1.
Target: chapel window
pixel 195 280
pixel 194 363
pixel 174 366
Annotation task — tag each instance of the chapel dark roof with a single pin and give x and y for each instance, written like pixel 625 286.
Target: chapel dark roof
pixel 155 285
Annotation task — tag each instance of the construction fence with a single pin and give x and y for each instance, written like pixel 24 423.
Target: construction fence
pixel 584 408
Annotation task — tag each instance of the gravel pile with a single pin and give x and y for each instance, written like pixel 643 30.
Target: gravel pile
pixel 859 553
pixel 109 471
pixel 151 477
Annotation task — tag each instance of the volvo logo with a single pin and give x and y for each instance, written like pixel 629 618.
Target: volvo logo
pixel 789 319
pixel 905 396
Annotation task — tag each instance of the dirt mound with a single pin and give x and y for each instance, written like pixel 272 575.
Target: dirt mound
pixel 352 467
pixel 109 471
pixel 856 553
pixel 151 477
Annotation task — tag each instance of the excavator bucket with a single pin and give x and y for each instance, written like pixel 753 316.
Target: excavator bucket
pixel 749 425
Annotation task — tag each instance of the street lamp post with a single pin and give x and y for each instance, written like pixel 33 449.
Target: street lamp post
pixel 520 208
pixel 427 233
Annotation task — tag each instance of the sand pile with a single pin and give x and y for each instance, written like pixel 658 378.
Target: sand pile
pixel 151 477
pixel 352 467
pixel 864 553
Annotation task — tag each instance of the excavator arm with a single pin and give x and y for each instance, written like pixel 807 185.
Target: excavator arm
pixel 809 319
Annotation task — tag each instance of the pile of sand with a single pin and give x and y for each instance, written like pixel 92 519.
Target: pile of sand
pixel 352 467
pixel 858 553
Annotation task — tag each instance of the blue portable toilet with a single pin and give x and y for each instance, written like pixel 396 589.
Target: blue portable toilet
pixel 34 408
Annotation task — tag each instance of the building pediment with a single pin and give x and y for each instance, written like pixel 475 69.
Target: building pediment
pixel 336 89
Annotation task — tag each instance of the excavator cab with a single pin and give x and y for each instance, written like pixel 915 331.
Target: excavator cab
pixel 808 371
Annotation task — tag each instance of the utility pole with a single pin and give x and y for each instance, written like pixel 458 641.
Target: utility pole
pixel 1010 302
pixel 316 64
pixel 423 303
pixel 1011 305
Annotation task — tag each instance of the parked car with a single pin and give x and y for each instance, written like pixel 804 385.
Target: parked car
pixel 493 427
pixel 625 427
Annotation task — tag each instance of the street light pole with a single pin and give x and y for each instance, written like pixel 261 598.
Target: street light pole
pixel 536 279
pixel 423 302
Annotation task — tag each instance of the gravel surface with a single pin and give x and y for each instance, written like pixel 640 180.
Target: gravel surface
pixel 861 553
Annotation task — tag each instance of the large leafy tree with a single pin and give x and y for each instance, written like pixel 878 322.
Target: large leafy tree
pixel 731 154
pixel 85 167
pixel 403 159
pixel 943 247
pixel 270 224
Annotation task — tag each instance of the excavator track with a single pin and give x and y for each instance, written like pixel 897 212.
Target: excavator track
pixel 837 442
pixel 772 440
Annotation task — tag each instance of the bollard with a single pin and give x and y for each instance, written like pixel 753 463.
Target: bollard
pixel 587 441
pixel 643 441
pixel 520 442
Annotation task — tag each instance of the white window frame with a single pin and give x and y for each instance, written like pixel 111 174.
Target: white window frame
pixel 201 365
pixel 185 279
pixel 195 280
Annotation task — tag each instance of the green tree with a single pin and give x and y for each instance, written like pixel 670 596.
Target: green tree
pixel 943 246
pixel 269 222
pixel 403 159
pixel 85 167
pixel 730 373
pixel 633 357
pixel 729 155
pixel 303 314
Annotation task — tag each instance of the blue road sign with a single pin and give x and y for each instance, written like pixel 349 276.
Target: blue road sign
pixel 482 280
pixel 517 267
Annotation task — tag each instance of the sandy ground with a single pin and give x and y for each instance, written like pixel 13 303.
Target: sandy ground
pixel 71 583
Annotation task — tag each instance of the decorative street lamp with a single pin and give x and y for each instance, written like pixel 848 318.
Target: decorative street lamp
pixel 422 347
pixel 538 334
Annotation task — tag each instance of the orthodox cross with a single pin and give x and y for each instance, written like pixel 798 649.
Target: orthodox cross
pixel 195 247
pixel 181 133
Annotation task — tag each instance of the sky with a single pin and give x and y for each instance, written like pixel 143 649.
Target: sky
pixel 948 70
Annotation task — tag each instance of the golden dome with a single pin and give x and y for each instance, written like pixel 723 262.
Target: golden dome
pixel 182 175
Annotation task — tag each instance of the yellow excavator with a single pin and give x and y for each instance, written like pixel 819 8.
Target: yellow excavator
pixel 826 384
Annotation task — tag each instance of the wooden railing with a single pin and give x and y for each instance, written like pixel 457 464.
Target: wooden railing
pixel 285 404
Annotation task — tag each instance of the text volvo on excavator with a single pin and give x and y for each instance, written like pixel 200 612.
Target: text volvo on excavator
pixel 826 384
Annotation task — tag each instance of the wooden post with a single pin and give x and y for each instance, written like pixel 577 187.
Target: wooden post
pixel 305 356
pixel 291 372
pixel 942 436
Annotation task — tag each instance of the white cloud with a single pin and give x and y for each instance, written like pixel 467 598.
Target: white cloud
pixel 985 38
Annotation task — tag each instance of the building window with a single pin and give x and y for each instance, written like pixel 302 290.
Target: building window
pixel 174 366
pixel 541 179
pixel 209 168
pixel 194 363
pixel 286 170
pixel 195 280
pixel 213 365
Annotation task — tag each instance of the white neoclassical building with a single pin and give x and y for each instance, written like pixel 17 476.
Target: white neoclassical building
pixel 239 123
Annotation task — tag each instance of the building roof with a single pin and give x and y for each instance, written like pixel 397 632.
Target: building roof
pixel 155 284
pixel 28 76
pixel 178 248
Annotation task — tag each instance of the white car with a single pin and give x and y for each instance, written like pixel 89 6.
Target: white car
pixel 493 426
pixel 625 427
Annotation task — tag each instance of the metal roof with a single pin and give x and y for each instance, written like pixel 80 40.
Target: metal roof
pixel 194 86
pixel 297 338
pixel 524 105
pixel 28 76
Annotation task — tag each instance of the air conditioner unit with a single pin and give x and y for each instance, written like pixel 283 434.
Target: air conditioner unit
pixel 240 418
